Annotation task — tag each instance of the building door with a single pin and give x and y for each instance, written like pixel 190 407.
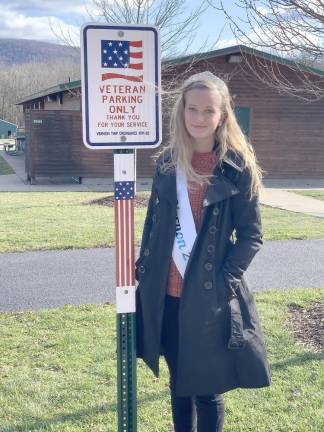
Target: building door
pixel 243 117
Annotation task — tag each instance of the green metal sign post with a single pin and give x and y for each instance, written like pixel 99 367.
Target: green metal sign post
pixel 124 168
pixel 127 407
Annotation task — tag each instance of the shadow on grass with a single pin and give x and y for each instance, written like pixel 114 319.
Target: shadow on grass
pixel 42 424
pixel 298 360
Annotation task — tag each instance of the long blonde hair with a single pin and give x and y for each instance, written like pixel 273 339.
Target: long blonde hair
pixel 228 133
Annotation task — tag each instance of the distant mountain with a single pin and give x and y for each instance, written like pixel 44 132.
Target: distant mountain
pixel 18 51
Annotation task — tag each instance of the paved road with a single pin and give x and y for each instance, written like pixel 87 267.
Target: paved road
pixel 36 280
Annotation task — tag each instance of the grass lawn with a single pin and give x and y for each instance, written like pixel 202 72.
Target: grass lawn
pixel 318 194
pixel 63 220
pixel 58 374
pixel 5 168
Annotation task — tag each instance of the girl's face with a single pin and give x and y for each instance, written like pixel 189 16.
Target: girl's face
pixel 202 115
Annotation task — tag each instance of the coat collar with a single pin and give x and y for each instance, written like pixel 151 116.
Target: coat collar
pixel 220 187
pixel 233 161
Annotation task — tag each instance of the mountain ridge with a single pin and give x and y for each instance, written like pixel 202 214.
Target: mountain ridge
pixel 20 51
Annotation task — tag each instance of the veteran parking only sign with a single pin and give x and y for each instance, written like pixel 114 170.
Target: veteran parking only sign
pixel 121 78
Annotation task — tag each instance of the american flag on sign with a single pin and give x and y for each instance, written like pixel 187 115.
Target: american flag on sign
pixel 123 59
pixel 124 220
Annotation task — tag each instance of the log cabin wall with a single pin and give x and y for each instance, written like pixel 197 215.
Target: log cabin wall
pixel 55 147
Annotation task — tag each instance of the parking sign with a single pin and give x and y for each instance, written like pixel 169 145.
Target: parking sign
pixel 121 78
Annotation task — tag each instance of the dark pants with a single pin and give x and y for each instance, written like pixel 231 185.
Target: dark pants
pixel 207 411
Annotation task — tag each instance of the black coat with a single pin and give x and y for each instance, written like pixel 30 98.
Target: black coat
pixel 220 340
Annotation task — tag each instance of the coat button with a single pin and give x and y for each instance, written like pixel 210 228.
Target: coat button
pixel 210 248
pixel 205 202
pixel 216 211
pixel 141 269
pixel 147 252
pixel 208 285
pixel 154 218
pixel 212 229
pixel 157 200
pixel 208 266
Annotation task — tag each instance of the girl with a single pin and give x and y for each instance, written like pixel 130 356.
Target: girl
pixel 193 304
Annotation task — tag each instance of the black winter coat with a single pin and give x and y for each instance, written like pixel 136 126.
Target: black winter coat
pixel 220 340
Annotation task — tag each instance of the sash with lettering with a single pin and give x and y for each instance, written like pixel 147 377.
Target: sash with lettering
pixel 185 226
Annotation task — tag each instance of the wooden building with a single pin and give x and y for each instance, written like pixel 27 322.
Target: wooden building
pixel 287 133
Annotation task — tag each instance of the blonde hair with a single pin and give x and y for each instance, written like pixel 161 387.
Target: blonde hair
pixel 228 133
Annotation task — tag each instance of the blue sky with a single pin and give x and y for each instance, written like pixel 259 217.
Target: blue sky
pixel 32 19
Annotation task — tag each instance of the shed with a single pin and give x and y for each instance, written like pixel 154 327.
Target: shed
pixel 287 133
pixel 7 129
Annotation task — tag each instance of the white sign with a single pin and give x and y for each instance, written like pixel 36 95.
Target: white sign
pixel 121 79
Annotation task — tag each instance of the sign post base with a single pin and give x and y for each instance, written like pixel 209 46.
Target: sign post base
pixel 126 364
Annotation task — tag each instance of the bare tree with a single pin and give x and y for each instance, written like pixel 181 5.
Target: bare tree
pixel 177 23
pixel 17 81
pixel 293 29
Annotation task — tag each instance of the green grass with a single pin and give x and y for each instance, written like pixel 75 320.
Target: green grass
pixel 318 194
pixel 5 168
pixel 58 374
pixel 35 221
pixel 62 220
pixel 284 225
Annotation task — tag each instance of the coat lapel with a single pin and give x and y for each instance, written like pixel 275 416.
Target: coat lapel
pixel 219 189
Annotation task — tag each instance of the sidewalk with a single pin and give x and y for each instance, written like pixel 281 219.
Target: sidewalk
pixel 286 200
pixel 273 195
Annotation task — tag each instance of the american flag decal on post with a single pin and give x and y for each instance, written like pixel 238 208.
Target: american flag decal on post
pixel 125 254
pixel 123 59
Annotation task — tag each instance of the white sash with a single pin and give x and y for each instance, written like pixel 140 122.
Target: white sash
pixel 185 226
